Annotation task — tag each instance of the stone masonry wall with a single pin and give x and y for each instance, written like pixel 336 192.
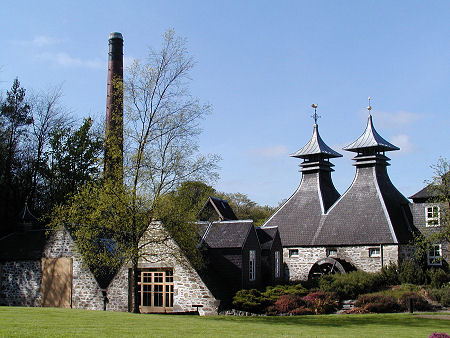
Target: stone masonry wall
pixel 118 291
pixel 189 288
pixel 358 256
pixel 86 293
pixel 20 283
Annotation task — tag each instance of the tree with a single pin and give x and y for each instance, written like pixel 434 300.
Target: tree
pixel 161 152
pixel 16 115
pixel 440 188
pixel 15 169
pixel 48 115
pixel 72 160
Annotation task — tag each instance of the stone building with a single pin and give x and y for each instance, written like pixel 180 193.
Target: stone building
pixel 429 216
pixel 369 226
pixel 48 270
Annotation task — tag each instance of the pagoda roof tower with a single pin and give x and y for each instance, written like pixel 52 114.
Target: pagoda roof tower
pixel 297 219
pixel 372 211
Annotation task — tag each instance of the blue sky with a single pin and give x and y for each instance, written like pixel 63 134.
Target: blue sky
pixel 261 64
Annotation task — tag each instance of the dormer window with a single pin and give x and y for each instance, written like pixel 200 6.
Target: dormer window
pixel 432 216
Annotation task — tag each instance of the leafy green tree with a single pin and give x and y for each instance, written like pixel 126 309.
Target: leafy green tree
pixel 160 152
pixel 72 160
pixel 16 116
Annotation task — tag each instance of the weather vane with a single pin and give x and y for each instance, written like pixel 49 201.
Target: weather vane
pixel 315 116
pixel 369 107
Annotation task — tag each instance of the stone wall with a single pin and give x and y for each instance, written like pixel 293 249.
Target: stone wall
pixel 189 289
pixel 418 212
pixel 357 256
pixel 86 293
pixel 118 291
pixel 20 283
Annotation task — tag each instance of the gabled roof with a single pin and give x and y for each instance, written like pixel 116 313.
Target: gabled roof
pixel 20 246
pixel 425 193
pixel 370 139
pixel 221 208
pixel 266 237
pixel 315 146
pixel 430 192
pixel 228 234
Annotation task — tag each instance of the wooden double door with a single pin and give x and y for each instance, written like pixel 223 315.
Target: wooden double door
pixel 155 291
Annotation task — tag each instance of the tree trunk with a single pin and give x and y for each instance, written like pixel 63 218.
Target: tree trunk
pixel 136 299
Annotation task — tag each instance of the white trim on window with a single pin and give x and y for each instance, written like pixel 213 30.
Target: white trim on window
pixel 277 264
pixel 374 252
pixel 432 218
pixel 293 252
pixel 252 265
pixel 331 252
pixel 435 255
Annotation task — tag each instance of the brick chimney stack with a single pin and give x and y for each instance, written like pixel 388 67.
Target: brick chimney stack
pixel 114 109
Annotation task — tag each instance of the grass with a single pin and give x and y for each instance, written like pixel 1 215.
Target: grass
pixel 51 322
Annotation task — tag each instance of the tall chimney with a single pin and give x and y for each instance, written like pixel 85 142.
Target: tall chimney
pixel 114 109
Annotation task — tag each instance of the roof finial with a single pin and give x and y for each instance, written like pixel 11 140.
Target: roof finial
pixel 369 107
pixel 315 116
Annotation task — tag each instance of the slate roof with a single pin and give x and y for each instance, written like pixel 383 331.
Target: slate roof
pixel 266 237
pixel 370 139
pixel 372 211
pixel 298 218
pixel 315 146
pixel 424 194
pixel 21 246
pixel 429 192
pixel 221 207
pixel 228 234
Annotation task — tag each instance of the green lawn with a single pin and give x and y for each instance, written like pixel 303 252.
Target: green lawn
pixel 49 322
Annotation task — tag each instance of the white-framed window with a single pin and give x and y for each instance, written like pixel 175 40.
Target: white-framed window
pixel 435 255
pixel 432 216
pixel 252 265
pixel 374 252
pixel 277 264
pixel 293 252
pixel 331 252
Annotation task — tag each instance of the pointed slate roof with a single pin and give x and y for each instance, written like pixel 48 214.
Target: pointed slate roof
pixel 218 206
pixel 315 146
pixel 298 218
pixel 370 139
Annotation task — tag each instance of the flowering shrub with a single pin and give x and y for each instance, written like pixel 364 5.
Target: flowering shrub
pixel 287 303
pixel 439 335
pixel 322 302
pixel 378 303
